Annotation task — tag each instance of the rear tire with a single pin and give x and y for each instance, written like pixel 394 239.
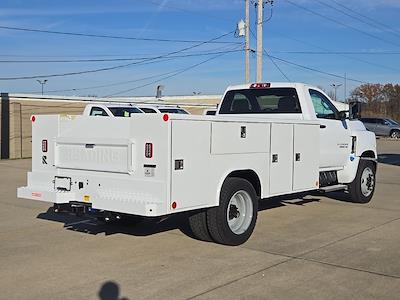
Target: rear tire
pixel 233 221
pixel 395 134
pixel 363 186
pixel 198 226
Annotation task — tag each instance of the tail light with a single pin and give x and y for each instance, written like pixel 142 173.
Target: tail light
pixel 148 150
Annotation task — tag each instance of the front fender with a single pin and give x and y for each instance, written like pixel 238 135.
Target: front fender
pixel 365 141
pixel 364 146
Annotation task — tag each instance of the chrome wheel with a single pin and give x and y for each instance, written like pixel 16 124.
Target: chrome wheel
pixel 367 182
pixel 240 212
pixel 395 134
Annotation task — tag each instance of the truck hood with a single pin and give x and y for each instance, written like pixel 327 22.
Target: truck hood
pixel 355 125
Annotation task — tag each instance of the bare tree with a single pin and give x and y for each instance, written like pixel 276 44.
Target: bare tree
pixel 379 100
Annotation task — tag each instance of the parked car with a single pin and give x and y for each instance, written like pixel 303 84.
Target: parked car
pixel 164 109
pixel 382 126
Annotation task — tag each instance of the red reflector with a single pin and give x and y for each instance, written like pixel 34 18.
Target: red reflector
pixel 44 145
pixel 165 117
pixel 148 150
pixel 260 85
pixel 173 205
pixel 33 119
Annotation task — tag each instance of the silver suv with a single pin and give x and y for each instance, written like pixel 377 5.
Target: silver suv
pixel 381 126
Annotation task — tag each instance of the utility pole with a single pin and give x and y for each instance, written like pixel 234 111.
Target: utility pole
pixel 247 41
pixel 345 88
pixel 260 21
pixel 42 83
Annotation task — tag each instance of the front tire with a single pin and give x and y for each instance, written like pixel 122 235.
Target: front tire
pixel 233 221
pixel 363 186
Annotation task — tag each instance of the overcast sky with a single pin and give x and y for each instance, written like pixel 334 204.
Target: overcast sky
pixel 364 44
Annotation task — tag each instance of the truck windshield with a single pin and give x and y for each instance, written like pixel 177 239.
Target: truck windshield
pixel 261 101
pixel 124 111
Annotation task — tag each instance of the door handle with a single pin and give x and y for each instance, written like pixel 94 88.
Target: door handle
pixel 297 156
pixel 322 126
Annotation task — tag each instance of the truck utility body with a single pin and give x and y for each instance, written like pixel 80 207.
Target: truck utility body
pixel 264 141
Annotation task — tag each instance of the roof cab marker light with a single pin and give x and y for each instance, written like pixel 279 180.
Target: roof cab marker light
pixel 260 85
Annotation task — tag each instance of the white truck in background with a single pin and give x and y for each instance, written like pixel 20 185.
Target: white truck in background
pixel 111 110
pixel 266 139
pixel 128 110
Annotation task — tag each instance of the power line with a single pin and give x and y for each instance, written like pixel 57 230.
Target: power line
pixel 109 36
pixel 342 24
pixel 129 55
pixel 118 66
pixel 276 65
pixel 318 71
pixel 109 59
pixel 341 54
pixel 108 85
pixel 355 17
pixel 178 72
pixel 373 21
pixel 194 53
pixel 271 59
pixel 122 82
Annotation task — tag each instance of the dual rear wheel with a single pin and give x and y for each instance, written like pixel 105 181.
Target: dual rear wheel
pixel 233 221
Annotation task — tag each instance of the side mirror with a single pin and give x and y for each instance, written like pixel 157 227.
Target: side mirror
pixel 354 110
pixel 342 115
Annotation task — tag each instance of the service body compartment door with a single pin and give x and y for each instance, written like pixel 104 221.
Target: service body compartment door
pixel 239 138
pixel 281 158
pixel 306 157
pixel 192 174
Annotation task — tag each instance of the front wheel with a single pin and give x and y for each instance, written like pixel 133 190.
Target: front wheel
pixel 363 186
pixel 233 221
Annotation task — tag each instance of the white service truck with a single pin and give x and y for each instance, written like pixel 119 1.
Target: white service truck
pixel 266 139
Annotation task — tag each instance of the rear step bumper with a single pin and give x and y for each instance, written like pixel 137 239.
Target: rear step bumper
pixel 46 196
pixel 108 202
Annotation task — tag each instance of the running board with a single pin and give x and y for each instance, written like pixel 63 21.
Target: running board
pixel 333 188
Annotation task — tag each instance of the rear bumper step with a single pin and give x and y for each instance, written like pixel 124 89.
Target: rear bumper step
pixel 45 195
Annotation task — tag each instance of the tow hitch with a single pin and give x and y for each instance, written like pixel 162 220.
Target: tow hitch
pixel 77 208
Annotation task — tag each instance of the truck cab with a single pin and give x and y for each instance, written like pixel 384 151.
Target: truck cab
pixel 341 140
